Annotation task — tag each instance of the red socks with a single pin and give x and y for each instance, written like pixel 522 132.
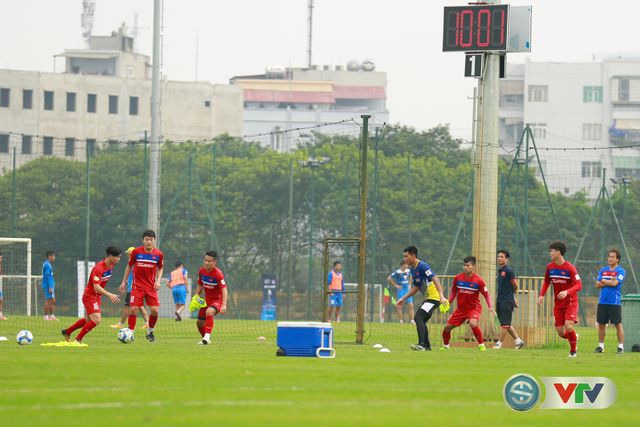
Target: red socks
pixel 132 321
pixel 86 329
pixel 446 337
pixel 79 324
pixel 571 336
pixel 152 321
pixel 208 325
pixel 201 330
pixel 477 332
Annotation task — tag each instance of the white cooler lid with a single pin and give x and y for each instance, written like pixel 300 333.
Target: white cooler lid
pixel 304 325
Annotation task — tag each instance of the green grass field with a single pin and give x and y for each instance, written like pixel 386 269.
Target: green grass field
pixel 239 381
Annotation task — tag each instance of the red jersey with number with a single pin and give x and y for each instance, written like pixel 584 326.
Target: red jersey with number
pixel 468 290
pixel 564 277
pixel 213 284
pixel 145 266
pixel 100 275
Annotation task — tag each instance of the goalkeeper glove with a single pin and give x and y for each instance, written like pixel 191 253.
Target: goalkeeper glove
pixel 196 303
pixel 445 306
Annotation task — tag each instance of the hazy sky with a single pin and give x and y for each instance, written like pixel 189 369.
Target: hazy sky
pixel 404 38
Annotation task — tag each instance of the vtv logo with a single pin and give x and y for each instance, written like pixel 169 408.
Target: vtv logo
pixel 578 393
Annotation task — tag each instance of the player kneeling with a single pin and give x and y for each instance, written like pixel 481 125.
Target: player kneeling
pixel 92 296
pixel 211 279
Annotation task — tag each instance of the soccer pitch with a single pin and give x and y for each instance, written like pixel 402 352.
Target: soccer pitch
pixel 241 382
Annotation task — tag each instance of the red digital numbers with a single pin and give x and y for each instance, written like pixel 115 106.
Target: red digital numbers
pixel 475 28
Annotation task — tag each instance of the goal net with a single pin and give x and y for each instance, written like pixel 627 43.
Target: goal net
pixel 16 282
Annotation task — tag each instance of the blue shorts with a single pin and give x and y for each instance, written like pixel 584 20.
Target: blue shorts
pixel 49 295
pixel 0 294
pixel 335 300
pixel 179 294
pixel 402 292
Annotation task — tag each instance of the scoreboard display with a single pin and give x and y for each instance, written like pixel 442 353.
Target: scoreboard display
pixel 476 28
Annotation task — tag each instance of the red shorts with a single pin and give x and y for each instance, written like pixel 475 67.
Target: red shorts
pixel 91 304
pixel 459 317
pixel 202 313
pixel 140 295
pixel 564 313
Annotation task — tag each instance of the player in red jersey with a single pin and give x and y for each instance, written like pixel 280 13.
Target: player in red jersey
pixel 467 286
pixel 211 279
pixel 92 296
pixel 566 285
pixel 146 263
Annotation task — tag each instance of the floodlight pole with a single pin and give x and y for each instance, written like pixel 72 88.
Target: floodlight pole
pixel 362 250
pixel 153 216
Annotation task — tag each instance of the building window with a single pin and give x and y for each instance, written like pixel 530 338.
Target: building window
pixel 47 145
pixel 48 100
pixel 92 100
pixel 4 143
pixel 69 146
pixel 4 97
pixel 133 105
pixel 27 142
pixel 27 99
pixel 592 94
pixel 539 130
pixel 538 93
pixel 591 169
pixel 592 131
pixel 71 101
pixel 91 146
pixel 623 89
pixel 207 103
pixel 113 104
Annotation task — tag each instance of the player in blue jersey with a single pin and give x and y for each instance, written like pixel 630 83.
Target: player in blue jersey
pixel 426 282
pixel 49 286
pixel 399 279
pixel 610 279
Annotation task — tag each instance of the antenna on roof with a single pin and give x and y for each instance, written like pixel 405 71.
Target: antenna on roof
pixel 88 12
pixel 310 4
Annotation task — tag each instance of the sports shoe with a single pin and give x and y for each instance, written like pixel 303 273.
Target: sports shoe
pixel 417 347
pixel 519 345
pixel 66 335
pixel 199 342
pixel 482 347
pixel 2 317
pixel 117 326
pixel 573 354
pixel 206 341
pixel 178 317
pixel 620 350
pixel 151 337
pixel 598 350
pixel 52 317
pixel 445 347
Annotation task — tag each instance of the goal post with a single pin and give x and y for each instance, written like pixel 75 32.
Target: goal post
pixel 16 281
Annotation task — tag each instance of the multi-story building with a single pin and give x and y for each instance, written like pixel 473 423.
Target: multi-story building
pixel 105 95
pixel 592 109
pixel 291 98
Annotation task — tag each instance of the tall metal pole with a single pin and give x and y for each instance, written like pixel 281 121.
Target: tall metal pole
pixel 153 218
pixel 486 173
pixel 145 202
pixel 525 241
pixel 213 196
pixel 409 191
pixel 311 225
pixel 290 255
pixel 189 204
pixel 310 4
pixel 362 250
pixel 602 217
pixel 88 213
pixel 14 188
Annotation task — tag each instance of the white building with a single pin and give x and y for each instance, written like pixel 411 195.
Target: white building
pixel 291 98
pixel 105 95
pixel 592 107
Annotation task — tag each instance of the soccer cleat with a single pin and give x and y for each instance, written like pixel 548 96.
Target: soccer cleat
pixel 3 318
pixel 482 347
pixel 573 354
pixel 199 342
pixel 206 341
pixel 178 317
pixel 52 317
pixel 598 350
pixel 117 326
pixel 65 334
pixel 151 337
pixel 620 350
pixel 445 347
pixel 417 347
pixel 519 345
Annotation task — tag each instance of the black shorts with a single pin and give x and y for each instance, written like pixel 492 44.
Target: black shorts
pixel 609 313
pixel 127 299
pixel 428 307
pixel 504 311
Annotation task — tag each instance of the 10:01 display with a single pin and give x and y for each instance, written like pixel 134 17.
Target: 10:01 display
pixel 475 28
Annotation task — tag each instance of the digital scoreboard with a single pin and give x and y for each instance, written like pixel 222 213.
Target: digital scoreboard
pixel 476 28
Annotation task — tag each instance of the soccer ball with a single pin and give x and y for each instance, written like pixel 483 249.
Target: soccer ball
pixel 24 337
pixel 125 335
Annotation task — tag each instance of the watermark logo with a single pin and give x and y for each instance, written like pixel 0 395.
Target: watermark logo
pixel 578 393
pixel 521 392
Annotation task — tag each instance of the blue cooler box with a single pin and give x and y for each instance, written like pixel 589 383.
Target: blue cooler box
pixel 305 339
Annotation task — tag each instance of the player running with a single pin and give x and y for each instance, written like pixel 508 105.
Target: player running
pixel 146 262
pixel 466 287
pixel 566 285
pixel 92 296
pixel 211 279
pixel 425 281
